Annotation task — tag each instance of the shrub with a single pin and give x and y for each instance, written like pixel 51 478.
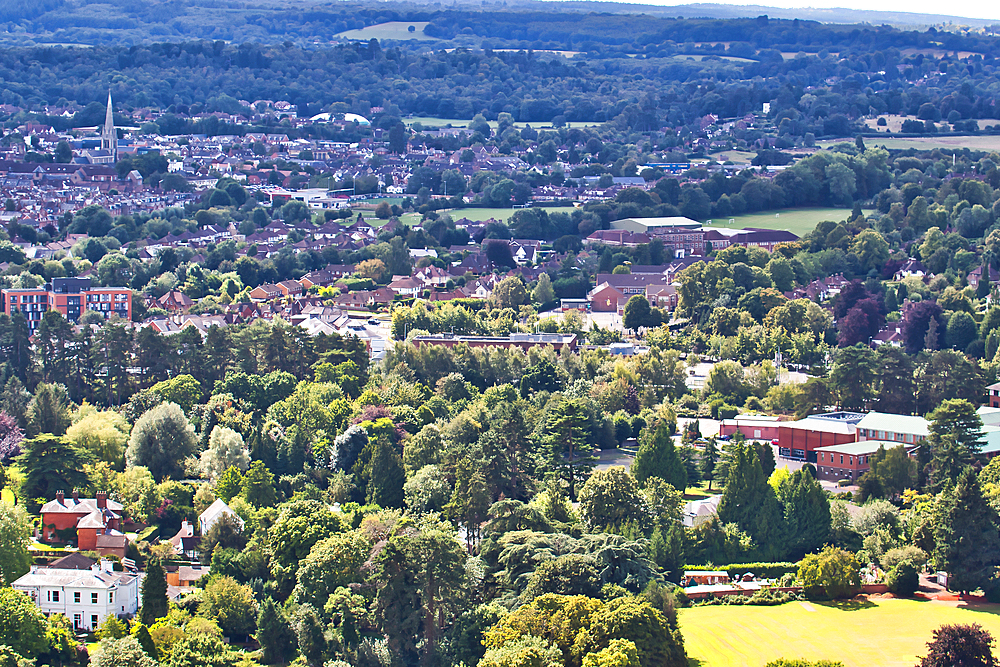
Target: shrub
pixel 904 579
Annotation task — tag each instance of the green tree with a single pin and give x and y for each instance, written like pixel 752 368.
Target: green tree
pixel 15 533
pixel 638 314
pixel 274 633
pixel 48 411
pixel 258 486
pixel 333 562
pixel 52 464
pixel 611 498
pixel 161 440
pixel 567 442
pixel 225 450
pixel 807 512
pixel 183 390
pixel 966 535
pixel 831 574
pixel 749 502
pixel 709 457
pixel 154 593
pixel 230 484
pixel 853 375
pixel 103 433
pixel 509 293
pixel 543 293
pixel 231 605
pixel 122 652
pixel 658 457
pixel 380 470
pixel 955 429
pixel 526 651
pixel 203 649
pixel 22 624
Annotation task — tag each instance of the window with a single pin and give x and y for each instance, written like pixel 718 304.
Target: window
pixel 841 459
pixel 77 620
pixel 93 598
pixel 76 597
pixel 55 596
pixel 111 597
pixel 93 621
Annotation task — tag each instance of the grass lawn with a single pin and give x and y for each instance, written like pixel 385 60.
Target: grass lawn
pixel 943 141
pixel 504 214
pixel 391 30
pixel 886 633
pixel 799 221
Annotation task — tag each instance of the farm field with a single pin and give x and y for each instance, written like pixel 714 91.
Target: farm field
pixel 887 633
pixel 944 141
pixel 798 221
pixel 392 30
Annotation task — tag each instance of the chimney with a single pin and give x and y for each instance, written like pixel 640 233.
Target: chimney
pixel 76 495
pixel 102 499
pixel 60 497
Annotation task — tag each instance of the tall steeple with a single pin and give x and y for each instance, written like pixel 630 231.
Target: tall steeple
pixel 109 137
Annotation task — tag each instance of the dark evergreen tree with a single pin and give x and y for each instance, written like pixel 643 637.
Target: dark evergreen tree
pixel 709 457
pixel 967 540
pixel 154 593
pixel 807 513
pixel 750 503
pixel 658 457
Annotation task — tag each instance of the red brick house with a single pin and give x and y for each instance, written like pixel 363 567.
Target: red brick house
pixel 96 521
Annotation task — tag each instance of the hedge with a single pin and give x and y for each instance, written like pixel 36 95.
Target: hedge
pixel 765 570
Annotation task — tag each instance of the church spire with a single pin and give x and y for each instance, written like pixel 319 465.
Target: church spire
pixel 109 137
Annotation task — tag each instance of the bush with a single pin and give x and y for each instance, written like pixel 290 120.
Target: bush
pixel 830 574
pixel 761 570
pixel 904 579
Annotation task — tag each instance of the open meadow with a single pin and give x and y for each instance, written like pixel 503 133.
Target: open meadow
pixel 798 221
pixel 865 633
pixel 399 30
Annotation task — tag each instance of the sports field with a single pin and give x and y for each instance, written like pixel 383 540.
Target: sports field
pixel 392 30
pixel 798 221
pixel 877 633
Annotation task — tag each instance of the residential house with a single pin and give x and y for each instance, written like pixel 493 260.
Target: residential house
pixel 266 292
pixel 214 512
pixel 94 522
pixel 185 542
pixel 175 302
pixel 289 288
pixel 86 597
pixel 994 395
pixel 405 286
pixel 976 275
pixel 912 267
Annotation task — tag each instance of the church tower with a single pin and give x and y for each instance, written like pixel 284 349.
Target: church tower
pixel 109 137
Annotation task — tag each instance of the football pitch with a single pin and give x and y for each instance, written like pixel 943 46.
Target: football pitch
pixel 866 633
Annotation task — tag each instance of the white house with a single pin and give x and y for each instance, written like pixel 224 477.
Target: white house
pixel 86 597
pixel 208 518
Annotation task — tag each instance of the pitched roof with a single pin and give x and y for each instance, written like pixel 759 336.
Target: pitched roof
pixel 881 421
pixel 77 506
